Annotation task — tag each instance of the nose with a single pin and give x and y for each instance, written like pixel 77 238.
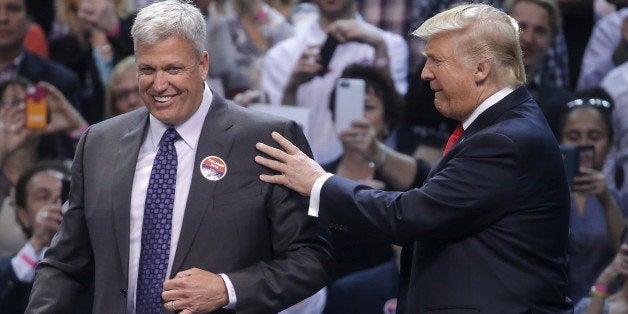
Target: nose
pixel 426 73
pixel 160 83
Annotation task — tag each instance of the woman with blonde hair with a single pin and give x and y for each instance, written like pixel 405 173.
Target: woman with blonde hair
pixel 122 93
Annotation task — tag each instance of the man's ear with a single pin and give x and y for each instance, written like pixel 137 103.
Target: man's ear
pixel 482 71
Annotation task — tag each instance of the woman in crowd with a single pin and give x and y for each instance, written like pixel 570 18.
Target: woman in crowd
pixel 600 301
pixel 21 148
pixel 122 89
pixel 366 158
pixel 597 221
pixel 252 27
pixel 99 37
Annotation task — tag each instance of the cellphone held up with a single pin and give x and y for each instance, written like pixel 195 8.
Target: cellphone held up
pixel 36 112
pixel 576 157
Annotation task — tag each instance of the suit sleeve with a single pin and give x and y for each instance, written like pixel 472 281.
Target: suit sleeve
pixel 67 266
pixel 13 292
pixel 472 190
pixel 301 255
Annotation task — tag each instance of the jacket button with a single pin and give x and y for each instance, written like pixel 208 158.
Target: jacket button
pixel 123 292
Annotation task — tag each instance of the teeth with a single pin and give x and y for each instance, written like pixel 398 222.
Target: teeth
pixel 161 99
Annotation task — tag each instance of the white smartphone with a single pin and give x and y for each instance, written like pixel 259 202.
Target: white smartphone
pixel 349 102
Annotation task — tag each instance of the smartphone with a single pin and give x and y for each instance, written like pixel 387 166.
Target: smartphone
pixel 349 102
pixel 571 161
pixel 327 51
pixel 586 156
pixel 36 112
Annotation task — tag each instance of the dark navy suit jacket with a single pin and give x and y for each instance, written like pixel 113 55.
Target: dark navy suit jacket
pixel 13 292
pixel 487 232
pixel 364 292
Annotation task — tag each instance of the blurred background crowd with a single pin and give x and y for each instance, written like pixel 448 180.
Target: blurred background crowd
pixel 267 52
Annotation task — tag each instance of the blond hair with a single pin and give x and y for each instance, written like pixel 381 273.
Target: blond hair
pixel 487 34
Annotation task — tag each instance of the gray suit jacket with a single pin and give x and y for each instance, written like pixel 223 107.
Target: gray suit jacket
pixel 259 234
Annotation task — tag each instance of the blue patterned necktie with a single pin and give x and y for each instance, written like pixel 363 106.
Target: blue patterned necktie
pixel 156 226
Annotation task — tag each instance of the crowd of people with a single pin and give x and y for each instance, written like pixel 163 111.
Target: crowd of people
pixel 85 57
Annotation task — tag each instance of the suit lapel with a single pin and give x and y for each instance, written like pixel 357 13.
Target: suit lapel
pixel 215 140
pixel 484 120
pixel 488 117
pixel 123 174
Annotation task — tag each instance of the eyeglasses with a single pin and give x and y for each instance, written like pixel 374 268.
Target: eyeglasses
pixel 592 102
pixel 13 102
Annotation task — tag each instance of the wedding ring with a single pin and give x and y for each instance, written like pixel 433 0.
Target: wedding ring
pixel 172 308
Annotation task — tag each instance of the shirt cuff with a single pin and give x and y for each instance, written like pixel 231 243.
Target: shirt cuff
pixel 24 263
pixel 315 195
pixel 231 291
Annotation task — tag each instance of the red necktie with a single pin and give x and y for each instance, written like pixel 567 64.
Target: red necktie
pixel 452 139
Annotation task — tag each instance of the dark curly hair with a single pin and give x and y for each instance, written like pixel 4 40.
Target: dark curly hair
pixel 384 88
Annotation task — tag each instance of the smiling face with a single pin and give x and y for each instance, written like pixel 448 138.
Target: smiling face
pixel 450 77
pixel 171 78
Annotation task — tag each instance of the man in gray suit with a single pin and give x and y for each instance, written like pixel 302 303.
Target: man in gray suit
pixel 226 241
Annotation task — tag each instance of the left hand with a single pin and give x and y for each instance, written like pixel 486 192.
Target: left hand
pixel 195 291
pixel 298 171
pixel 361 138
pixel 590 182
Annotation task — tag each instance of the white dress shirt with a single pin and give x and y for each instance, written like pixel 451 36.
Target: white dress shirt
pixel 315 195
pixel 281 59
pixel 25 262
pixel 186 151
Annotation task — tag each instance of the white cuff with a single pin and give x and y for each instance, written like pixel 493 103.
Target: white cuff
pixel 315 195
pixel 231 291
pixel 24 263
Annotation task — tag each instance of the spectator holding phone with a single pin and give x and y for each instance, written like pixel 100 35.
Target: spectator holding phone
pixel 21 148
pixel 597 221
pixel 294 74
pixel 367 159
pixel 600 301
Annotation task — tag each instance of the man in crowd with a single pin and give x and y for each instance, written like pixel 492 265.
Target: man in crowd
pixel 292 73
pixel 487 232
pixel 540 22
pixel 16 61
pixel 37 200
pixel 165 209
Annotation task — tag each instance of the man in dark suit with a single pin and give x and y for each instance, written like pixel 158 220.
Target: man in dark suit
pixel 487 232
pixel 370 291
pixel 166 212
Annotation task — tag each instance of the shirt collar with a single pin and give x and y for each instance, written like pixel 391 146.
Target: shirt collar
pixel 189 130
pixel 487 103
pixel 10 71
